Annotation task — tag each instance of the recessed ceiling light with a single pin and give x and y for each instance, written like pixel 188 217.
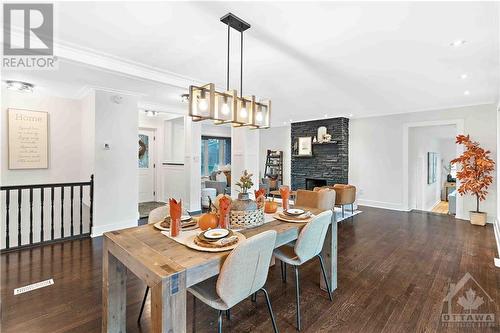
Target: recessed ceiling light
pixel 466 93
pixel 20 86
pixel 326 116
pixel 458 42
pixel 463 76
pixel 184 98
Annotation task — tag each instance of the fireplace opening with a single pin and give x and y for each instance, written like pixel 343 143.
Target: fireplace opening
pixel 311 183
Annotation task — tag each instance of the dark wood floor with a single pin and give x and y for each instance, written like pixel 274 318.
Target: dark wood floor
pixel 394 271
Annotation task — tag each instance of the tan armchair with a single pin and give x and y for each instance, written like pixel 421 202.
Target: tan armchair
pixel 345 195
pixel 323 199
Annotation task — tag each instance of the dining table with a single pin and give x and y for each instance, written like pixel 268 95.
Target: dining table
pixel 169 268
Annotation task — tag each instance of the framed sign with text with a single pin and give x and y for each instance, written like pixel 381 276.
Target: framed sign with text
pixel 28 139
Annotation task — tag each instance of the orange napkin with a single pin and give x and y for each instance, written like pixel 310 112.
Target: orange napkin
pixel 260 192
pixel 285 194
pixel 175 216
pixel 224 206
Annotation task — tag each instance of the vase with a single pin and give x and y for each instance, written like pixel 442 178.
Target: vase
pixel 244 203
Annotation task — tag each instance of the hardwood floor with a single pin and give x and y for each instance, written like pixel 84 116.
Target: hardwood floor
pixel 394 272
pixel 441 208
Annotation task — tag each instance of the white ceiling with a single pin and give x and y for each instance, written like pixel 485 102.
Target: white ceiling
pixel 311 59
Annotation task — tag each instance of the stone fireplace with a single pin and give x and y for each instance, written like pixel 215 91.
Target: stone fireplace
pixel 311 183
pixel 329 162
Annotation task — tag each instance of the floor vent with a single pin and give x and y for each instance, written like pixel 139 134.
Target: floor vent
pixel 33 286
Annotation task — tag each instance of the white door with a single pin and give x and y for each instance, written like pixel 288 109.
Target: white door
pixel 146 171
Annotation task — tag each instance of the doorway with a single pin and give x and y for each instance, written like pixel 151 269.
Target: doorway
pixel 430 177
pixel 147 164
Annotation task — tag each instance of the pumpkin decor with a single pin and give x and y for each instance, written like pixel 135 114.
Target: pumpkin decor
pixel 475 174
pixel 208 221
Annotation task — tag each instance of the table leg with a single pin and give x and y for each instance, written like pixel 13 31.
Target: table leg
pixel 329 254
pixel 114 293
pixel 168 305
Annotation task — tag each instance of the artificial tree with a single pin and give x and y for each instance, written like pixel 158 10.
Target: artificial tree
pixel 475 174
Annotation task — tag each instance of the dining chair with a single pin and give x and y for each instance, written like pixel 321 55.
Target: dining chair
pixel 308 246
pixel 243 274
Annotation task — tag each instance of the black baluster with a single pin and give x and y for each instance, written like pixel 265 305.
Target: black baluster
pixel 81 209
pixel 72 190
pixel 7 231
pixel 41 213
pixel 52 213
pixel 19 202
pixel 62 211
pixel 91 203
pixel 31 216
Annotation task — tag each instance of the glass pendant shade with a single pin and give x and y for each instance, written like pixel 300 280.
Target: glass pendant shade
pixel 224 106
pixel 244 112
pixel 202 102
pixel 262 114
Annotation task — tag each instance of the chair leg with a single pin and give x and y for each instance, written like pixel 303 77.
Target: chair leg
pixel 275 327
pixel 219 322
pixel 343 211
pixel 324 277
pixel 228 314
pixel 352 211
pixel 254 297
pixel 142 306
pixel 283 271
pixel 297 290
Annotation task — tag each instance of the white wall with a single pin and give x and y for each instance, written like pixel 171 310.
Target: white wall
pixel 65 142
pixel 210 129
pixel 276 138
pixel 174 140
pixel 116 184
pixel 376 153
pixel 244 156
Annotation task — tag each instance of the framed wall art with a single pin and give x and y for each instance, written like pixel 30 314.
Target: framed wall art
pixel 28 139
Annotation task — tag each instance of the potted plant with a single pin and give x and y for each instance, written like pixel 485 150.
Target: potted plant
pixel 244 203
pixel 475 174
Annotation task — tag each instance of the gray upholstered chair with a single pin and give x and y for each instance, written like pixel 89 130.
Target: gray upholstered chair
pixel 309 245
pixel 243 274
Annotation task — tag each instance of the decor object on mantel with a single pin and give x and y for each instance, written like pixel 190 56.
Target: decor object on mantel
pixel 304 146
pixel 227 107
pixel 246 213
pixel 321 133
pixel 476 166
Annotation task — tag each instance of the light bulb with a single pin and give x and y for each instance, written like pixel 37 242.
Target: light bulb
pixel 225 109
pixel 259 116
pixel 243 111
pixel 203 104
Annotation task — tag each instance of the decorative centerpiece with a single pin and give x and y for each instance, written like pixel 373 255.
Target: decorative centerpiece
pixel 245 212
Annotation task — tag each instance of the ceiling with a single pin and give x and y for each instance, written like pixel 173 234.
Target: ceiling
pixel 312 59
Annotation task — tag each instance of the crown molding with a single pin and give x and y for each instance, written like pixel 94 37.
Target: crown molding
pixel 73 52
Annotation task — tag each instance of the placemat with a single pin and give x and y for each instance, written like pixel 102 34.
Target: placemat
pixel 187 238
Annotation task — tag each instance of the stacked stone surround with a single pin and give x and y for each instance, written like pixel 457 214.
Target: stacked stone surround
pixel 329 161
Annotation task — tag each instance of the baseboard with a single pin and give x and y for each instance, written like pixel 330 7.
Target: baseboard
pixel 381 204
pixel 100 229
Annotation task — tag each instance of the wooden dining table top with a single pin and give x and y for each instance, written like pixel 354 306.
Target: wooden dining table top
pixel 153 256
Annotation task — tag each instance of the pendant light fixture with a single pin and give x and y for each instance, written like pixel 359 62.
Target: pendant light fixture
pixel 227 107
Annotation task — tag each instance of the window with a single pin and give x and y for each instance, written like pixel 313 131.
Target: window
pixel 215 153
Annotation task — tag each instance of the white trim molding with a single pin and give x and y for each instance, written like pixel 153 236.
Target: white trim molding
pixel 496 231
pixel 99 230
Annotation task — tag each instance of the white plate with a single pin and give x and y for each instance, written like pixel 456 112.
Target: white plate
pixel 216 233
pixel 185 218
pixel 294 211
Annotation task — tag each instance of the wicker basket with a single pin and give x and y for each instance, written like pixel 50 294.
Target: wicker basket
pixel 247 219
